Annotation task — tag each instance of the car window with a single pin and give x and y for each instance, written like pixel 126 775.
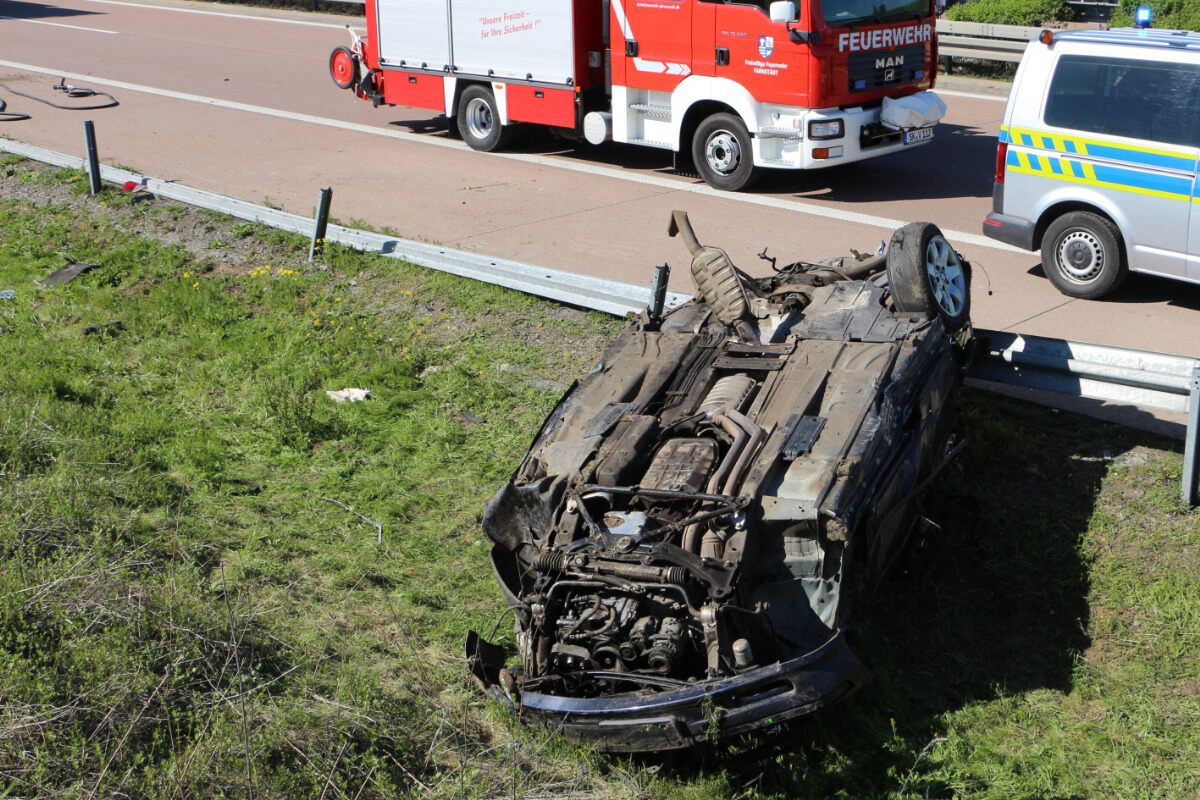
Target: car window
pixel 1125 97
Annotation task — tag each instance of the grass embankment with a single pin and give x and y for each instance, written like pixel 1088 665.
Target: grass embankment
pixel 183 615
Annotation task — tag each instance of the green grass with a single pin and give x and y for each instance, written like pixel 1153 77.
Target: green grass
pixel 175 593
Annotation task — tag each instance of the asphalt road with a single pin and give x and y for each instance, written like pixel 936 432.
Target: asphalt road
pixel 240 102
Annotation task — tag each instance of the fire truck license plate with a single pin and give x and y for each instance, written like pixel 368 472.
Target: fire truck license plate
pixel 918 135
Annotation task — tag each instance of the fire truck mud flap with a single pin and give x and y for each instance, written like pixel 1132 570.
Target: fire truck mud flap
pixel 681 715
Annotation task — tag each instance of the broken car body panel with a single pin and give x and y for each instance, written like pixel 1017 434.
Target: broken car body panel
pixel 679 542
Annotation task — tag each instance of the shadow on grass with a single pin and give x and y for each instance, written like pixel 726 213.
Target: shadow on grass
pixel 993 605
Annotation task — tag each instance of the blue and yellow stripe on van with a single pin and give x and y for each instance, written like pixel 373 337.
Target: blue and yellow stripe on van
pixel 1121 173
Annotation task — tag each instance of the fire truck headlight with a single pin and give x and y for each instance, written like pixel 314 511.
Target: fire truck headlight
pixel 826 129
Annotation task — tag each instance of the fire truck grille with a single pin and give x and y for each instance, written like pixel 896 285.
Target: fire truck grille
pixel 880 68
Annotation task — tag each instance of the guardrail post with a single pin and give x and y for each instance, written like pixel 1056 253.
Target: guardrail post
pixel 93 160
pixel 658 290
pixel 1191 449
pixel 317 247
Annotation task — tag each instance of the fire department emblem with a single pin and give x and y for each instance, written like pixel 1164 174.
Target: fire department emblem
pixel 766 46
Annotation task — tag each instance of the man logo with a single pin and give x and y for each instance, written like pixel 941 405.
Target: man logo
pixel 889 61
pixel 889 76
pixel 766 46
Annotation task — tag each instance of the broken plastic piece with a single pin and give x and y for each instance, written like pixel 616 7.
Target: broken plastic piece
pixel 353 395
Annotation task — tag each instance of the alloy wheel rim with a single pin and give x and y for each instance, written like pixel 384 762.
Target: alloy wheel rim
pixel 946 276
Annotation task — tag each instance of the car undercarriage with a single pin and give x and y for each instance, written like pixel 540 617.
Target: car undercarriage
pixel 683 543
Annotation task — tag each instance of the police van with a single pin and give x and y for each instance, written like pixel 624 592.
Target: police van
pixel 1097 158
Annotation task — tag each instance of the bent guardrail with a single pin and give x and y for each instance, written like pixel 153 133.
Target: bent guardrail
pixel 1098 372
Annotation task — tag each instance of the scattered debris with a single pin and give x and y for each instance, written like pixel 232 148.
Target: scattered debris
pixel 8 294
pixel 113 324
pixel 353 395
pixel 70 272
pixel 368 520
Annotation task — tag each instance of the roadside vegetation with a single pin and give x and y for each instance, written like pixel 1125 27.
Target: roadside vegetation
pixel 1171 14
pixel 184 613
pixel 1010 12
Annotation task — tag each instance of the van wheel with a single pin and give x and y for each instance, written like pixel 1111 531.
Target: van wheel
pixel 722 153
pixel 1082 255
pixel 479 120
pixel 927 276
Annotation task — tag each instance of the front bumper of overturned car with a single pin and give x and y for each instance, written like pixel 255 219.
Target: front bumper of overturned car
pixel 681 717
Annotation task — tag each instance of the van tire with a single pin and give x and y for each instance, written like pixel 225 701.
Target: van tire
pixel 479 120
pixel 927 276
pixel 723 153
pixel 1082 255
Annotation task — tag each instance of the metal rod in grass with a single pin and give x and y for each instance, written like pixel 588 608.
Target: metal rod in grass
pixel 368 520
pixel 237 665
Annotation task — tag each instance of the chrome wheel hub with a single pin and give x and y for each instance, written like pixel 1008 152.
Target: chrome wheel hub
pixel 479 118
pixel 723 152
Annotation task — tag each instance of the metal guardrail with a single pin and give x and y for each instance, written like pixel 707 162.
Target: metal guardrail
pixel 1134 377
pixel 983 41
pixel 1097 372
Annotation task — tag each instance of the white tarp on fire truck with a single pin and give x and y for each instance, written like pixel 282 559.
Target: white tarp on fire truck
pixel 915 111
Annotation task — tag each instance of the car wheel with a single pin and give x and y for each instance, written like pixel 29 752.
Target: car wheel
pixel 479 120
pixel 722 152
pixel 343 67
pixel 1082 255
pixel 927 276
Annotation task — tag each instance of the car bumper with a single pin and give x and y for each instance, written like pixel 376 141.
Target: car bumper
pixel 683 717
pixel 781 141
pixel 1010 230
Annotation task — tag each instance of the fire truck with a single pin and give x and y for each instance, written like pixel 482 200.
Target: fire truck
pixel 729 87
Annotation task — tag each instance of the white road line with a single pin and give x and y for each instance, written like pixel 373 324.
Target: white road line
pixel 996 98
pixel 154 7
pixel 59 25
pixel 674 184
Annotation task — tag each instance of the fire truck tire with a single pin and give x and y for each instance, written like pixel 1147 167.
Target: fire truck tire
pixel 479 120
pixel 723 154
pixel 927 276
pixel 343 67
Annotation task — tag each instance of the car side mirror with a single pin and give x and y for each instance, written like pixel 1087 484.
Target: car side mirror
pixel 783 11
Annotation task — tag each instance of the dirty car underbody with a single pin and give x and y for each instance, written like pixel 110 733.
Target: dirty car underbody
pixel 683 541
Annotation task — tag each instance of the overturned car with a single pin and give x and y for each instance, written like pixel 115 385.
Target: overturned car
pixel 683 542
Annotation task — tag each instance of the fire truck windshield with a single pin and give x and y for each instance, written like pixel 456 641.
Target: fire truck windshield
pixel 840 13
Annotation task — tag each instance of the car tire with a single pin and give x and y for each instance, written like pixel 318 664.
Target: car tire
pixel 927 276
pixel 343 67
pixel 479 120
pixel 723 154
pixel 1082 255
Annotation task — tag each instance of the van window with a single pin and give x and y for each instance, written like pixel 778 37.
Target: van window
pixel 1125 97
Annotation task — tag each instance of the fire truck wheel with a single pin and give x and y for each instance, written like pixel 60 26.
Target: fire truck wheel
pixel 343 67
pixel 927 276
pixel 722 152
pixel 479 120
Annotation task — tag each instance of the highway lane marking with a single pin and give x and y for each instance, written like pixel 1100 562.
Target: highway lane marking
pixel 995 98
pixel 59 25
pixel 222 14
pixel 674 184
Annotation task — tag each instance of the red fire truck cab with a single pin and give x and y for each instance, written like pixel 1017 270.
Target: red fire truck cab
pixel 730 86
